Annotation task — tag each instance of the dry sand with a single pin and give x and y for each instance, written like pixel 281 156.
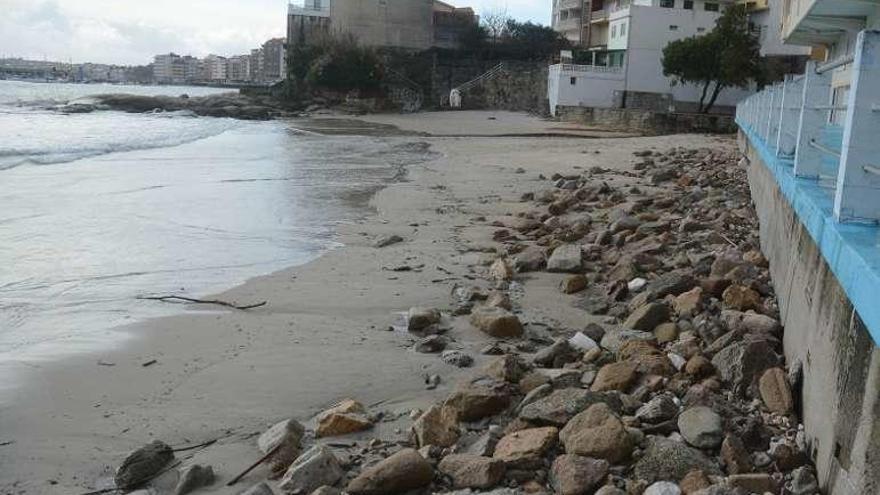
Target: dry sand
pixel 323 335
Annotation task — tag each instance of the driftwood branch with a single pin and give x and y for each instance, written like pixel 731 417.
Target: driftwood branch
pixel 194 447
pixel 254 465
pixel 218 302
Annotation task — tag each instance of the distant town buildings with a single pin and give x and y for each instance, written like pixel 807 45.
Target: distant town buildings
pixel 407 24
pixel 19 68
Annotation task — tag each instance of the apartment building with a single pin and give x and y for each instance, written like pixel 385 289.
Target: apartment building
pixel 214 68
pixel 169 68
pixel 274 67
pixel 624 41
pixel 407 24
pixel 572 19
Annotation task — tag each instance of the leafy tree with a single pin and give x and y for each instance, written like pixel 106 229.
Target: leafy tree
pixel 726 57
pixel 337 63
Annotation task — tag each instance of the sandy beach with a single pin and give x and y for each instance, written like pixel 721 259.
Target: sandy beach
pixel 326 332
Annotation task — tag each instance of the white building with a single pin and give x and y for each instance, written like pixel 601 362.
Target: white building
pixel 626 41
pixel 215 68
pixel 169 68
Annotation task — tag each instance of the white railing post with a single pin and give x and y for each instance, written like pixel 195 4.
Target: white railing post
pixel 816 93
pixel 768 117
pixel 787 123
pixel 775 109
pixel 858 183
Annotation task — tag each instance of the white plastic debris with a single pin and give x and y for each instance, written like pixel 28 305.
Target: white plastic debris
pixel 582 343
pixel 637 284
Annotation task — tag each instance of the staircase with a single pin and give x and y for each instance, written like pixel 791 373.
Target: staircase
pixel 455 93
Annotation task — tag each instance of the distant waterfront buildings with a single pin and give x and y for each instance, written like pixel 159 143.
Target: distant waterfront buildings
pixel 407 24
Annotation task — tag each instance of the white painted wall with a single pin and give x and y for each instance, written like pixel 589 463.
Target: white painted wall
pixel 770 22
pixel 590 88
pixel 651 29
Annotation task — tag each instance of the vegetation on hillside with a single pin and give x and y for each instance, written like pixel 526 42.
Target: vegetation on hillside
pixel 336 63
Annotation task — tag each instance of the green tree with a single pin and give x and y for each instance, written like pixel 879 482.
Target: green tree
pixel 337 63
pixel 726 57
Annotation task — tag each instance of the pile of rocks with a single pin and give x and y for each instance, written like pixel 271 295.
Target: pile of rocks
pixel 682 388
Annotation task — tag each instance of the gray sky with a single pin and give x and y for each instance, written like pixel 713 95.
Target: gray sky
pixel 132 31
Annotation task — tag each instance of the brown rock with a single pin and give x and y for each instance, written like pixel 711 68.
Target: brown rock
pixel 775 391
pixel 497 322
pixel 741 298
pixel 694 481
pixel 347 417
pixel 689 303
pixel 501 271
pixel 406 470
pixel 699 367
pixel 734 456
pixel 499 300
pixel 573 284
pixel 437 426
pixel 715 287
pixel 666 332
pixel 615 376
pixel 472 471
pixel 597 432
pixel 507 368
pixel 478 398
pixel 525 448
pixel 753 483
pixel 577 475
pixel 647 317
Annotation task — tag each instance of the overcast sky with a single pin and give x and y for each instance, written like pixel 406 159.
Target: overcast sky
pixel 132 31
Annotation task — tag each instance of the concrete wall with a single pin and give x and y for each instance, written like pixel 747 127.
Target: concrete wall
pixel 395 23
pixel 582 88
pixel 646 121
pixel 824 335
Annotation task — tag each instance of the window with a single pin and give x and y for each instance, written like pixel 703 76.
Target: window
pixel 711 7
pixel 667 4
pixel 673 27
pixel 689 4
pixel 614 31
pixel 700 30
pixel 623 30
pixel 573 81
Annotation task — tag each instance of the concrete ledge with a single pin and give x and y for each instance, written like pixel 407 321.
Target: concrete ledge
pixel 826 335
pixel 852 251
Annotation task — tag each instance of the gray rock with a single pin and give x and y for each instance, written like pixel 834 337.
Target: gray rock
pixel 259 489
pixel 672 283
pixel 143 464
pixel 657 410
pixel 625 223
pixel 577 475
pixel 193 478
pixel 431 344
pixel 566 259
pixel 421 318
pixel 560 406
pixel 663 488
pixel 669 460
pixel 531 259
pixel 536 393
pixel 610 490
pixel 315 468
pixel 742 363
pixel 556 354
pixel 457 358
pixel 387 240
pixel 701 427
pixel 647 317
pixel 613 339
pixel 803 482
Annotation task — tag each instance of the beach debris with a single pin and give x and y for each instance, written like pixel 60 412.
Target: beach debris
pixel 387 240
pixel 193 478
pixel 143 464
pixel 149 363
pixel 173 298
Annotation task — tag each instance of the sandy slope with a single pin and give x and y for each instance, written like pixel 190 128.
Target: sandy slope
pixel 323 335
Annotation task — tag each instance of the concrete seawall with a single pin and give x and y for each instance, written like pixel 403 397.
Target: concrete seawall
pixel 839 383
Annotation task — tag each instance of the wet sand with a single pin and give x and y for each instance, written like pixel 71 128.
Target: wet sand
pixel 324 333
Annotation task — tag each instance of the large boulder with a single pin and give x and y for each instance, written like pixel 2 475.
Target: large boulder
pixel 615 376
pixel 143 464
pixel 560 406
pixel 478 398
pixel 701 427
pixel 669 460
pixel 437 426
pixel 472 471
pixel 775 391
pixel 496 322
pixel 525 448
pixel 315 468
pixel 599 433
pixel 404 471
pixel 741 363
pixel 577 475
pixel 566 258
pixel 349 416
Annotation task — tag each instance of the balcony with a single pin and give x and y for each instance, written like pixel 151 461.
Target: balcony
pixel 599 15
pixel 569 24
pixel 816 22
pixel 311 8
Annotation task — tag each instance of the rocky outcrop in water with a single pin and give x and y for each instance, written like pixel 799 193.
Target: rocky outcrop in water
pixel 229 105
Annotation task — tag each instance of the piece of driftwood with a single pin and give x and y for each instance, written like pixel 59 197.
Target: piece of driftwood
pixel 254 465
pixel 218 302
pixel 194 447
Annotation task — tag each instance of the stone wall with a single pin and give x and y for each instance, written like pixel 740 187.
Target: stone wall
pixel 647 121
pixel 522 86
pixel 839 388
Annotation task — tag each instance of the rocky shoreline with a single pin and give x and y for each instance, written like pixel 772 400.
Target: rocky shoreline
pixel 231 105
pixel 680 387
